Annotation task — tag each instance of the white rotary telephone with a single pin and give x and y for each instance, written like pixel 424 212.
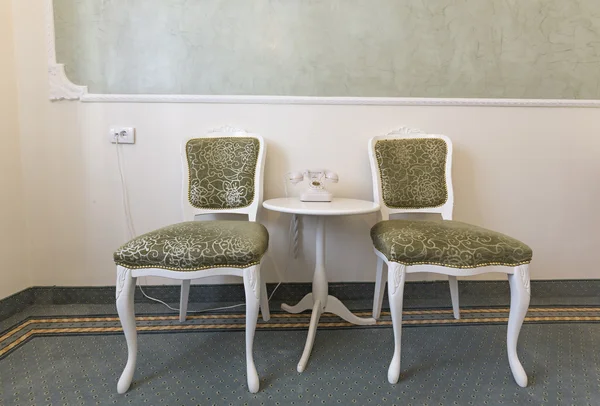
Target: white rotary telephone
pixel 316 191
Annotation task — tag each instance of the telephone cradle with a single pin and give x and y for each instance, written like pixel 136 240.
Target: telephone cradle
pixel 316 191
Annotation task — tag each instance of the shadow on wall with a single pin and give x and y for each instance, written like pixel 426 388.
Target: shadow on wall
pixel 464 179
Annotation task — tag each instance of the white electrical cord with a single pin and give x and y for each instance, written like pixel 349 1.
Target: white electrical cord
pixel 292 236
pixel 133 234
pixel 189 311
pixel 124 192
pixel 294 226
pixel 287 262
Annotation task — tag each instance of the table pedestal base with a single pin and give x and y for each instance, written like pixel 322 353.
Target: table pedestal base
pixel 319 299
pixel 334 306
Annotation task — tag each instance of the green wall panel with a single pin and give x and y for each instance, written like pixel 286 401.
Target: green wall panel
pixel 533 49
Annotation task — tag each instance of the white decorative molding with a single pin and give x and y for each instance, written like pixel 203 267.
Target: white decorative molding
pixel 121 276
pixel 399 275
pixel 61 88
pixel 252 279
pixel 228 130
pixel 351 101
pixel 524 271
pixel 405 131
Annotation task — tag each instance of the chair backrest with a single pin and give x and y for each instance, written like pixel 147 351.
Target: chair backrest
pixel 412 173
pixel 223 173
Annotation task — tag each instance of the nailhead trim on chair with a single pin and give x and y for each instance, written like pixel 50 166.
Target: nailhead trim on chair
pixel 188 269
pixel 462 267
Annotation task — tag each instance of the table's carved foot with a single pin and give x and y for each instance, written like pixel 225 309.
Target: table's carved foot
pixel 305 304
pixel 312 331
pixel 338 308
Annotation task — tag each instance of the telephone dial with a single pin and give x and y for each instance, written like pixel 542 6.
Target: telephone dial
pixel 316 191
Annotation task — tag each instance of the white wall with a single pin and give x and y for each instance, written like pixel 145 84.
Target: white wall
pixel 528 172
pixel 14 264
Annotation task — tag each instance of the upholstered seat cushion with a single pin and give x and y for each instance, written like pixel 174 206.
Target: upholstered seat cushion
pixel 197 245
pixel 448 243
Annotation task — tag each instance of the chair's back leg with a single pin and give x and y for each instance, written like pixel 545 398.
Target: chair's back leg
pixel 125 308
pixel 264 302
pixel 252 289
pixel 454 295
pixel 379 289
pixel 396 278
pixel 183 300
pixel 519 303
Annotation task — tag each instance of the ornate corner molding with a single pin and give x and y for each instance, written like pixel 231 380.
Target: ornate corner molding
pixel 60 87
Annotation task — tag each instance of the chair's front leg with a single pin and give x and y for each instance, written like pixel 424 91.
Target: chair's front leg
pixel 519 303
pixel 396 277
pixel 252 288
pixel 125 308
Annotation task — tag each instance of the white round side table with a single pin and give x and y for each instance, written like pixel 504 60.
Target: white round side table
pixel 319 299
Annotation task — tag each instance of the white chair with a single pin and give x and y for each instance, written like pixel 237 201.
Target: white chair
pixel 412 174
pixel 223 174
pixel 445 210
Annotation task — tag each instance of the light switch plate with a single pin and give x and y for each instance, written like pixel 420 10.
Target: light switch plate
pixel 125 135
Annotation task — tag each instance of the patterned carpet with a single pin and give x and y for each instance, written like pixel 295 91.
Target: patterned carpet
pixel 72 359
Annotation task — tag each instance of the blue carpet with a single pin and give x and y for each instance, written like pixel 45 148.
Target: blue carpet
pixel 72 360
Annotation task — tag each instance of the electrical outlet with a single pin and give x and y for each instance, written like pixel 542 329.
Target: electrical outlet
pixel 125 135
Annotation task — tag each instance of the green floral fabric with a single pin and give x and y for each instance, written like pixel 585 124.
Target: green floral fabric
pixel 221 171
pixel 197 245
pixel 449 243
pixel 413 172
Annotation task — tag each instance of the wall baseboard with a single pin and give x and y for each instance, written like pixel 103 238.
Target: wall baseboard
pixel 424 294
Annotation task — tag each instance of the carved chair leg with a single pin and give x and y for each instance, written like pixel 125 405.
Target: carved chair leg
pixel 454 295
pixel 379 289
pixel 252 288
pixel 519 303
pixel 396 277
pixel 125 308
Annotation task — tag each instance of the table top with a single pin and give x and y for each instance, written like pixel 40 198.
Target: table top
pixel 337 207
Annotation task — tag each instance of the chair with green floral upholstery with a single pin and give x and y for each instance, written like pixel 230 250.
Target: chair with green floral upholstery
pixel 224 174
pixel 412 174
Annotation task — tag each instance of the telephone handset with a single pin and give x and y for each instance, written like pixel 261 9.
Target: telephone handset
pixel 316 191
